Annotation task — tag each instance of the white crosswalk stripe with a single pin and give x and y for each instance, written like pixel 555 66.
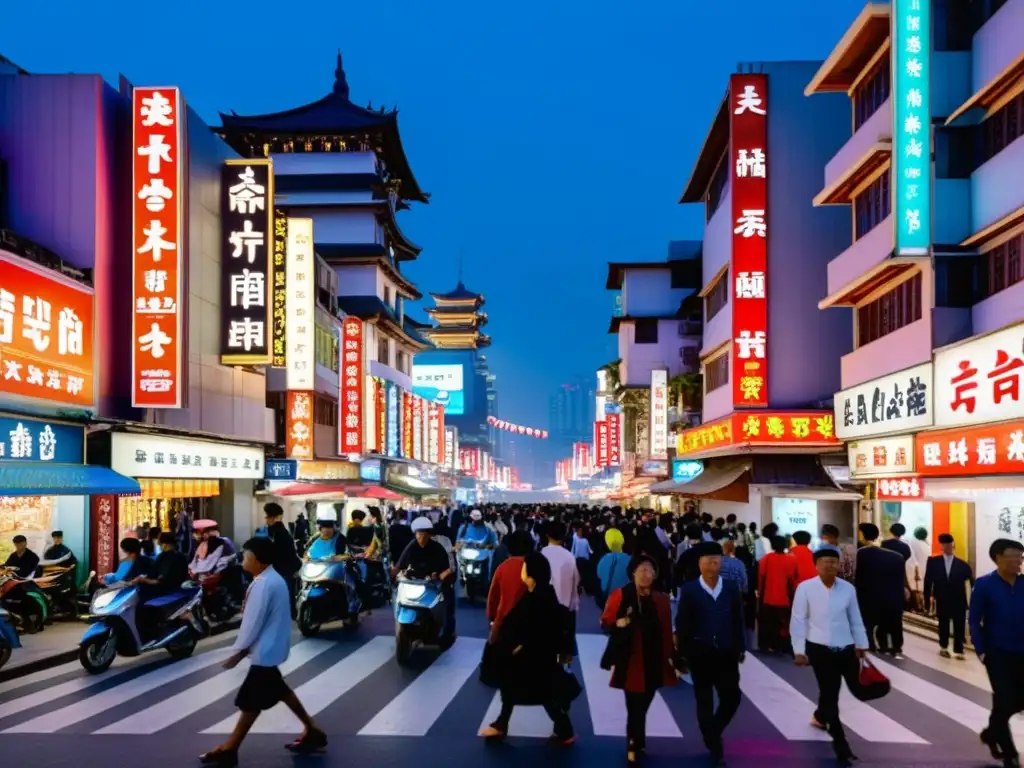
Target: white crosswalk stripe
pixel 332 671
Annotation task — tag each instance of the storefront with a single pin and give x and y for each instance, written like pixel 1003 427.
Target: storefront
pixel 316 489
pixel 203 478
pixel 45 485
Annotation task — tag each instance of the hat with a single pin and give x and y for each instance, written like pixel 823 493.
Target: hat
pixel 326 523
pixel 476 515
pixel 422 524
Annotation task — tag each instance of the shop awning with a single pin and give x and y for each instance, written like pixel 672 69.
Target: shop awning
pixel 314 489
pixel 38 479
pixel 412 486
pixel 817 493
pixel 711 480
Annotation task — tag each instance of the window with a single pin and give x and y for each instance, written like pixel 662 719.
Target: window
pixel 955 152
pixel 326 348
pixel 691 362
pixel 401 362
pixel 383 349
pixel 387 296
pixel 717 297
pixel 1001 267
pixel 1002 128
pixel 325 411
pixel 871 93
pixel 716 373
pixel 898 308
pixel 872 206
pixel 951 24
pixel 982 11
pixel 646 331
pixel 716 189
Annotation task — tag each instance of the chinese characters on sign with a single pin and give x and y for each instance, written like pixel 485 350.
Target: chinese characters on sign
pixel 407 439
pixel 899 402
pixel 979 381
pixel 451 448
pixel 811 428
pixel 748 153
pixel 912 118
pixel 881 456
pixel 137 455
pixel 24 439
pixel 380 394
pixel 996 449
pixel 601 444
pixel 279 307
pixel 158 263
pixel 469 461
pixel 614 439
pixel 300 333
pixel 299 425
pixel 898 488
pixel 659 414
pixel 46 329
pixel 417 428
pixel 247 279
pixel 353 384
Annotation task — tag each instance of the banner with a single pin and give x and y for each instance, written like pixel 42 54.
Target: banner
pixel 353 384
pixel 518 429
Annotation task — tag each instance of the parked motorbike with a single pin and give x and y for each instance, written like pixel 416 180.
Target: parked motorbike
pixel 475 570
pixel 223 589
pixel 420 616
pixel 8 638
pixel 24 599
pixel 331 591
pixel 124 624
pixel 59 587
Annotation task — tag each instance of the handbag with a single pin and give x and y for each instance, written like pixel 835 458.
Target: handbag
pixel 491 665
pixel 567 688
pixel 871 684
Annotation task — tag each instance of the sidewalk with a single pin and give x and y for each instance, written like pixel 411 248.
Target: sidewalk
pixel 56 644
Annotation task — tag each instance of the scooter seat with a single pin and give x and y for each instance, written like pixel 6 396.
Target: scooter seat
pixel 175 597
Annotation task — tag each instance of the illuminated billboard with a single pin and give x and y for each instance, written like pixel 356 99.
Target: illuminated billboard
pixel 441 384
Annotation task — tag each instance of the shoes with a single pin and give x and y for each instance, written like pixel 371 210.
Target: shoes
pixel 898 655
pixel 1011 762
pixel 493 733
pixel 844 755
pixel 944 653
pixel 961 657
pixel 562 741
pixel 223 758
pixel 815 723
pixel 988 741
pixel 308 744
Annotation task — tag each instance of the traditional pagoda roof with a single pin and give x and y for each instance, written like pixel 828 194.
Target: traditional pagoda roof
pixel 481 317
pixel 332 116
pixel 456 337
pixel 460 295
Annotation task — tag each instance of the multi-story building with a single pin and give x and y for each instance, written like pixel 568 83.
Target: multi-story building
pixel 933 271
pixel 769 357
pixel 570 416
pixel 343 167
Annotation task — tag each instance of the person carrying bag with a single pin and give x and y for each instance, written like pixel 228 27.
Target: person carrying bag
pixel 613 568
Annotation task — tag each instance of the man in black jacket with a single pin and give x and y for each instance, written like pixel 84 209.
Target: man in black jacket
pixel 286 557
pixel 881 580
pixel 945 579
pixel 710 632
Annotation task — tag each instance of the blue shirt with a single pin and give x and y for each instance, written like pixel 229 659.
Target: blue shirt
pixel 736 571
pixel 324 549
pixel 997 614
pixel 613 571
pixel 478 534
pixel 266 631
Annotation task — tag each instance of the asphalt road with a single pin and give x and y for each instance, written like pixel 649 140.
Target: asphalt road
pixel 154 713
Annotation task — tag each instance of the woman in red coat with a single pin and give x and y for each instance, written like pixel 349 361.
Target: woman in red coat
pixel 641 650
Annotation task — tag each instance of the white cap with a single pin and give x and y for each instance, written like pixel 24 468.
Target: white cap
pixel 476 515
pixel 422 524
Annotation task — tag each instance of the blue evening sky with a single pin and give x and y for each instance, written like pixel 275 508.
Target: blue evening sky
pixel 553 136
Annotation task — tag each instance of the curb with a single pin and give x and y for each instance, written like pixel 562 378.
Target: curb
pixel 65 656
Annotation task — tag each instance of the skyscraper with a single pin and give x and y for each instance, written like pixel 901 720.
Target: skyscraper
pixel 571 416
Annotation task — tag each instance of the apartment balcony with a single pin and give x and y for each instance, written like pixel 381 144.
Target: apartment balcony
pixel 998 311
pixel 862 154
pixel 910 345
pixel 863 255
pixel 386 372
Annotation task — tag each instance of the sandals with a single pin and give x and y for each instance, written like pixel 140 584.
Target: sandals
pixel 223 758
pixel 493 733
pixel 308 744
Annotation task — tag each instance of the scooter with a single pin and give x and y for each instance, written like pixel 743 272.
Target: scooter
pixel 223 589
pixel 328 593
pixel 115 628
pixel 58 586
pixel 421 616
pixel 8 637
pixel 475 570
pixel 25 600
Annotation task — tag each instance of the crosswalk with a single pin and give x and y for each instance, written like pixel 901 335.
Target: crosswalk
pixel 353 686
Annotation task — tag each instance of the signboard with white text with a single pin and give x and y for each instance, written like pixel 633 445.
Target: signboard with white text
pixel 138 455
pixel 881 456
pixel 441 384
pixel 659 414
pixel 300 333
pixel 899 402
pixel 979 381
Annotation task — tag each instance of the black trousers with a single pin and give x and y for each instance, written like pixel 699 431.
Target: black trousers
pixel 562 725
pixel 715 671
pixel 448 590
pixel 956 616
pixel 637 705
pixel 831 667
pixel 890 629
pixel 1006 674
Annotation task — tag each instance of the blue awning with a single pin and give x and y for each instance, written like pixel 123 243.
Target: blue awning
pixel 25 478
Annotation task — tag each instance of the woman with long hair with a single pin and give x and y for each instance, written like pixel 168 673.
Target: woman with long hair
pixel 533 642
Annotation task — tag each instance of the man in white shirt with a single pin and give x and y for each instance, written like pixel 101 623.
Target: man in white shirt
pixel 763 544
pixel 265 637
pixel 565 577
pixel 828 633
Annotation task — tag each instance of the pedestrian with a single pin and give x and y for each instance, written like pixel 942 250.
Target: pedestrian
pixel 732 568
pixel 827 632
pixel 686 569
pixel 801 551
pixel 881 586
pixel 922 550
pixel 830 540
pixel 613 568
pixel 583 553
pixel 265 638
pixel 711 635
pixel 763 543
pixel 946 579
pixel 286 557
pixel 997 631
pixel 776 582
pixel 533 644
pixel 565 576
pixel 640 652
pixel 507 586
